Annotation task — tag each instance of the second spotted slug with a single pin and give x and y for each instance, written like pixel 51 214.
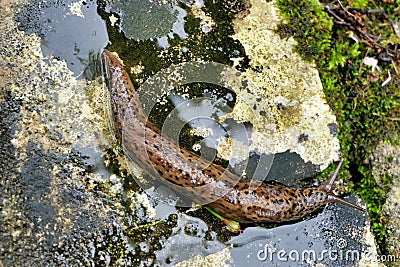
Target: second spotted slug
pixel 203 182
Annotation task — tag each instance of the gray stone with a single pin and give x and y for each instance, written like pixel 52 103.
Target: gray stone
pixel 386 164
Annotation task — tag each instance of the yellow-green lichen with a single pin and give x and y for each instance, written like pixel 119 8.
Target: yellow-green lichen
pixel 284 98
pixel 219 259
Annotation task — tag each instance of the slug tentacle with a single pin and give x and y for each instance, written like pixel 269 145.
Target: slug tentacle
pixel 203 182
pixel 335 199
pixel 332 198
pixel 329 184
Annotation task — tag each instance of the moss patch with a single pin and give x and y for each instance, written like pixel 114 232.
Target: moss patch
pixel 365 109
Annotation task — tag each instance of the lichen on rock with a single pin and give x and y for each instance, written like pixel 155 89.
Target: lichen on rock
pixel 386 171
pixel 284 98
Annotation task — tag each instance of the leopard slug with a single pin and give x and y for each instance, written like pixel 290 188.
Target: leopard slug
pixel 203 182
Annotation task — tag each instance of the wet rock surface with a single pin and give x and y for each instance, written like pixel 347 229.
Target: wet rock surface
pixel 48 215
pixel 331 239
pixel 62 206
pixel 56 22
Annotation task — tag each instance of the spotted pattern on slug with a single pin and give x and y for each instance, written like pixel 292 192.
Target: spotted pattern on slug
pixel 198 179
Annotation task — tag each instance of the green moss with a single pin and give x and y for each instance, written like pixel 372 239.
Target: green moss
pixel 117 249
pixel 312 31
pixel 151 235
pixel 362 106
pixel 358 3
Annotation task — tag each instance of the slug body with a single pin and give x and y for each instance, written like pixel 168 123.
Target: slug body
pixel 196 178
